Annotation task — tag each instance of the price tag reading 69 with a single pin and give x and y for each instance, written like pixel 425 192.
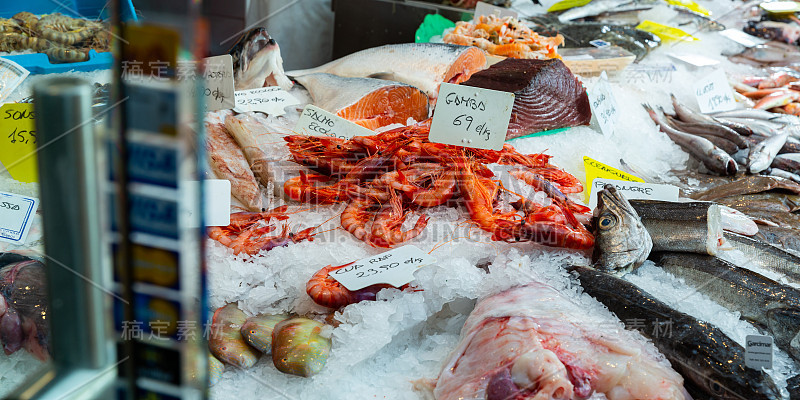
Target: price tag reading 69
pixel 471 117
pixel 395 267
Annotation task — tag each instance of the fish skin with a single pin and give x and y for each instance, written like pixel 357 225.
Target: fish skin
pixel 533 330
pixel 767 256
pixel 337 94
pixel 762 154
pixel 215 370
pixel 758 299
pixel 422 65
pixel 689 227
pixel 257 61
pixel 257 331
pixel 228 161
pixel 777 99
pixel 701 352
pixel 789 162
pixel 298 348
pixel 784 174
pixel 226 342
pixel 747 185
pixel 783 238
pixel 769 202
pixel 708 129
pixel 622 243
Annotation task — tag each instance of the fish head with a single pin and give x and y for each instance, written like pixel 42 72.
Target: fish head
pixel 621 241
pixel 257 60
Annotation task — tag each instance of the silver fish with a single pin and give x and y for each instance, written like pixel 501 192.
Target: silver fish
pixel 257 61
pixel 595 7
pixel 763 153
pixel 767 256
pixel 788 162
pixel 690 227
pixel 621 240
pixel 747 185
pixel 784 174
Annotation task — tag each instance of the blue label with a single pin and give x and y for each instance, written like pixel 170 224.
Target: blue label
pixel 599 43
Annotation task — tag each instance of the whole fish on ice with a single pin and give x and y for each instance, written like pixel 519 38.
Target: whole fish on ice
pixel 531 342
pixel 763 153
pixel 423 65
pixel 694 227
pixel 257 61
pixel 622 243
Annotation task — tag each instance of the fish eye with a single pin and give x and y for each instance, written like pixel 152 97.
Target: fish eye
pixel 606 222
pixel 715 387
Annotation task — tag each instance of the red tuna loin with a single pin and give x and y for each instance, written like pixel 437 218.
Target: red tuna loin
pixel 547 95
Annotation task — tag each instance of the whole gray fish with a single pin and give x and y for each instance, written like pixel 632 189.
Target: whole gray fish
pixel 423 65
pixel 696 349
pixel 788 162
pixel 767 256
pixel 747 185
pixel 770 201
pixel 621 240
pixel 762 154
pixel 784 174
pixel 595 7
pixel 750 113
pixel 691 227
pixel 760 300
pixel 757 126
pixel 714 158
pixel 705 129
pixel 257 61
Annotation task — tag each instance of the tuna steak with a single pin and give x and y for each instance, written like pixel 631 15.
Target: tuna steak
pixel 547 95
pixel 371 103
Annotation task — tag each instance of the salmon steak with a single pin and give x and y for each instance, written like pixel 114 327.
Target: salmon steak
pixel 371 103
pixel 547 95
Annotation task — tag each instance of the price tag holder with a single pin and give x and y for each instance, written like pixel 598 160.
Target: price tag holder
pixel 18 141
pixel 758 352
pixel 714 93
pixel 16 217
pixel 743 38
pixel 595 169
pixel 604 105
pixel 395 267
pixel 219 90
pixel 482 8
pixel 471 117
pixel 635 190
pixel 271 100
pixel 11 76
pixel 315 121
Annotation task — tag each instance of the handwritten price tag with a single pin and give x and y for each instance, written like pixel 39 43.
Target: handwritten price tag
pixel 635 190
pixel 16 216
pixel 18 141
pixel 471 117
pixel 596 169
pixel 315 121
pixel 271 100
pixel 482 8
pixel 604 105
pixel 395 267
pixel 714 94
pixel 758 352
pixel 218 74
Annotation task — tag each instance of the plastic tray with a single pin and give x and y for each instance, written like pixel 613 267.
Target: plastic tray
pixel 38 63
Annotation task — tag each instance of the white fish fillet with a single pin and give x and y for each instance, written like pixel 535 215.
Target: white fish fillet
pixel 259 163
pixel 228 162
pixel 541 341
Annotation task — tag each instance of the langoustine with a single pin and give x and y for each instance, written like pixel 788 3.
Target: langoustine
pixel 531 342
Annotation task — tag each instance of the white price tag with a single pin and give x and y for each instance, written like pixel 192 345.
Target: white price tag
pixel 634 190
pixel 315 121
pixel 471 117
pixel 758 352
pixel 482 8
pixel 11 75
pixel 694 59
pixel 714 93
pixel 742 38
pixel 271 100
pixel 604 105
pixel 216 202
pixel 395 267
pixel 218 76
pixel 16 216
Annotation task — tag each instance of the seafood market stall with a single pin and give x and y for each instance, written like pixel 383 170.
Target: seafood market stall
pixel 480 200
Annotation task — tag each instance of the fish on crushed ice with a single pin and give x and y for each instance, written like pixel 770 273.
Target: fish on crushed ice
pixel 762 154
pixel 677 226
pixel 767 256
pixel 622 242
pixel 225 341
pixel 229 162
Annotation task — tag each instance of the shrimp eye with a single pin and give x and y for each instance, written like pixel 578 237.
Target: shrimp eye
pixel 715 387
pixel 606 222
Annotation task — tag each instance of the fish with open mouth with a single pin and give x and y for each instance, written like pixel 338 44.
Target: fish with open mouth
pixel 622 243
pixel 257 62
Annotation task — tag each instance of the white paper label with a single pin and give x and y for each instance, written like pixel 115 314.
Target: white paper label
pixel 604 105
pixel 599 43
pixel 758 352
pixel 216 202
pixel 218 75
pixel 11 75
pixel 482 8
pixel 271 100
pixel 634 190
pixel 694 59
pixel 16 216
pixel 395 267
pixel 714 93
pixel 471 117
pixel 315 121
pixel 742 38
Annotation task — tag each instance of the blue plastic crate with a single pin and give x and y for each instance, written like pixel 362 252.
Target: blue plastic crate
pixel 39 63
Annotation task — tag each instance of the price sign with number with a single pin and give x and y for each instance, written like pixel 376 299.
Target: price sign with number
pixel 16 216
pixel 714 93
pixel 395 267
pixel 471 117
pixel 18 141
pixel 604 105
pixel 218 75
pixel 271 100
pixel 315 121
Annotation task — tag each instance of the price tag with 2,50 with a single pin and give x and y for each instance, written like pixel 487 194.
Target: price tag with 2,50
pixel 471 117
pixel 16 216
pixel 18 141
pixel 714 93
pixel 395 267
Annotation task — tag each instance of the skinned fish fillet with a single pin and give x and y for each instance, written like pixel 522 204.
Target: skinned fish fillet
pixel 423 65
pixel 371 103
pixel 547 94
pixel 228 162
pixel 531 342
